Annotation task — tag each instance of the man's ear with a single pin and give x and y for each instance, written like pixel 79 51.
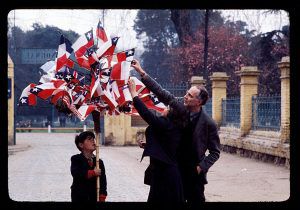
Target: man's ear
pixel 199 102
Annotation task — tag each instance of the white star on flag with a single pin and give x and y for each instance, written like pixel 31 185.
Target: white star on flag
pixel 130 53
pixel 68 77
pixel 23 100
pixel 89 35
pixel 35 90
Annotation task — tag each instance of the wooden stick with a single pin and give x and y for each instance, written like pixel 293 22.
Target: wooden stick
pixel 97 163
pixel 96 119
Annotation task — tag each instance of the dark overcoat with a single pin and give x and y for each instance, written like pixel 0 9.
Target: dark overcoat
pixel 205 136
pixel 162 140
pixel 82 188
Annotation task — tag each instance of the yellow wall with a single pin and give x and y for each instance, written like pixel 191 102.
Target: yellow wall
pixel 11 103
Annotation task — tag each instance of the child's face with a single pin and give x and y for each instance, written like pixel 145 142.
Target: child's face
pixel 88 144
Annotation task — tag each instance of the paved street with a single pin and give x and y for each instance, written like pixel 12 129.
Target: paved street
pixel 39 170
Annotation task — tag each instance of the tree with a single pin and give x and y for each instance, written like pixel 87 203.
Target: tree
pixel 231 46
pixel 156 30
pixel 265 51
pixel 182 23
pixel 226 53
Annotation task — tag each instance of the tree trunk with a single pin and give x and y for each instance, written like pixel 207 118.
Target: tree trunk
pixel 205 73
pixel 182 23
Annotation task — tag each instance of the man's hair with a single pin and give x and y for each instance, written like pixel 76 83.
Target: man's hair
pixel 83 136
pixel 203 94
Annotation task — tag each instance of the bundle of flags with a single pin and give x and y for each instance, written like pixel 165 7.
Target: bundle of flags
pixel 65 83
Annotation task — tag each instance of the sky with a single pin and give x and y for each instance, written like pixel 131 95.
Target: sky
pixel 259 20
pixel 120 21
pixel 116 22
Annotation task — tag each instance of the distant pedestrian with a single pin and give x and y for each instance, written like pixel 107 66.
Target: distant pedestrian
pixel 84 173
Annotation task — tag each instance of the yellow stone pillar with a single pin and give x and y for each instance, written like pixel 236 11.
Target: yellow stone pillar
pixel 118 129
pixel 219 92
pixel 284 67
pixel 196 80
pixel 249 86
pixel 11 128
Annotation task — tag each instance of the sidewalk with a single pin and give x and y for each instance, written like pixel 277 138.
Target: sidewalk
pixel 12 149
pixel 39 170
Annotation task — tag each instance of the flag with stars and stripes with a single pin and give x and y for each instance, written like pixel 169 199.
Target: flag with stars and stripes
pixel 152 102
pixel 27 98
pixel 103 42
pixel 85 110
pixel 120 71
pixel 64 51
pixel 45 90
pixel 83 43
pixel 108 52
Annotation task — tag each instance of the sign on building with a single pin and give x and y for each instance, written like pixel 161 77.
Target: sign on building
pixel 37 56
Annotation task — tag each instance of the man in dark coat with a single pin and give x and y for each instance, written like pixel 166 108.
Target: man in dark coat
pixel 163 136
pixel 200 135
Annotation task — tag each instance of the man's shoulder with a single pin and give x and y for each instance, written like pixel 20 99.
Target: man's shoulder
pixel 208 118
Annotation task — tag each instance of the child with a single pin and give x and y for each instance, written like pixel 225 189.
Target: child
pixel 84 172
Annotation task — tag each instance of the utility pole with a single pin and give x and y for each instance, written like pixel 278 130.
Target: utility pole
pixel 103 17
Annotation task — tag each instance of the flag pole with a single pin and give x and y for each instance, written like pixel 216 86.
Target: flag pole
pixel 96 119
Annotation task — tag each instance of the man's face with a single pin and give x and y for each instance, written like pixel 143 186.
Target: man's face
pixel 191 99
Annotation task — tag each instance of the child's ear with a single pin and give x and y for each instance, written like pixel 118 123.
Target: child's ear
pixel 80 145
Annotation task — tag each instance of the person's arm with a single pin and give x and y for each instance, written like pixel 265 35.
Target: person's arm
pixel 77 168
pixel 163 95
pixel 103 183
pixel 148 116
pixel 213 148
pixel 144 112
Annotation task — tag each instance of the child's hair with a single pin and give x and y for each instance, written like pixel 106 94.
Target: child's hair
pixel 177 118
pixel 83 136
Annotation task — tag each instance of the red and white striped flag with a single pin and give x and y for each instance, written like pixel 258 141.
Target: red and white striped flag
pixel 120 71
pixel 125 95
pixel 27 98
pixel 45 90
pixel 152 102
pixel 107 98
pixel 123 56
pixel 85 110
pixel 104 51
pixel 59 94
pixel 84 42
pixel 64 51
pixel 102 40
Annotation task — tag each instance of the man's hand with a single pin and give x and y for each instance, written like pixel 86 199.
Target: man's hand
pixel 142 144
pixel 136 65
pixel 199 170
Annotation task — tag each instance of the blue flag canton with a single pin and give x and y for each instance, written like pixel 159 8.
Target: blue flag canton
pixel 35 90
pixel 23 101
pixel 154 99
pixel 129 52
pixel 89 35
